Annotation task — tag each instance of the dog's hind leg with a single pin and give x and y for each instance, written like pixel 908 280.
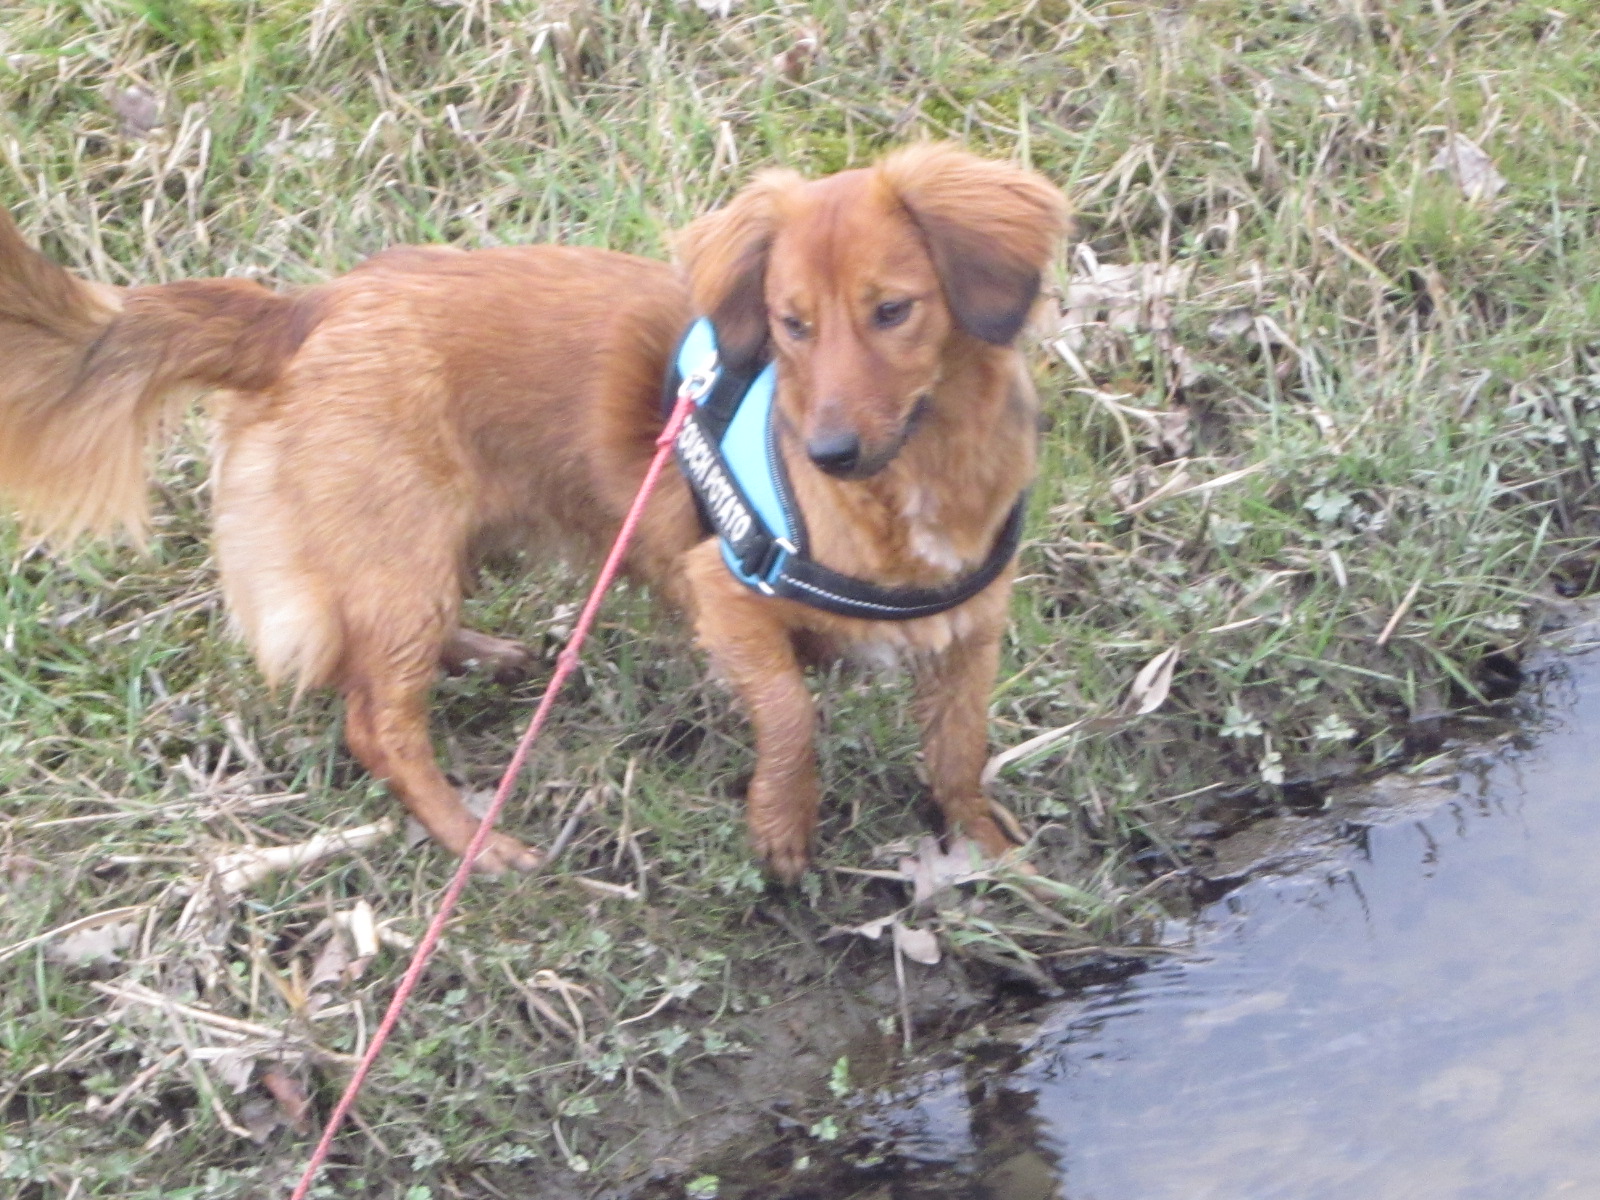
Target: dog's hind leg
pixel 386 726
pixel 399 600
pixel 353 580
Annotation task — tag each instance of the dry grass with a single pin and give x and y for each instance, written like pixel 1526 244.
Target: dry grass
pixel 1324 410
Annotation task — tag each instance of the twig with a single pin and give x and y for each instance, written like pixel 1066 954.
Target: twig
pixel 242 869
pixel 136 1083
pixel 1399 613
pixel 135 993
pixel 905 1000
pixel 601 887
pixel 564 838
pixel 144 619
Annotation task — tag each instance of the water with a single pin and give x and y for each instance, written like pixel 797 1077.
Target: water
pixel 1416 1019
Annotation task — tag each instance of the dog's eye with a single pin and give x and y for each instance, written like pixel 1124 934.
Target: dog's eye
pixel 891 313
pixel 794 327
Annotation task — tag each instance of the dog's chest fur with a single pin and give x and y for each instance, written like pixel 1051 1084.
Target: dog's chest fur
pixel 924 538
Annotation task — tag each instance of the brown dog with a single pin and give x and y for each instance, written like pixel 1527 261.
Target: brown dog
pixel 381 432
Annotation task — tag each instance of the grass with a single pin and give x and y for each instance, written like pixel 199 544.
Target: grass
pixel 1322 426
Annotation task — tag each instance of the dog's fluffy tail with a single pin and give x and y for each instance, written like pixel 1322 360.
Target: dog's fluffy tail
pixel 90 374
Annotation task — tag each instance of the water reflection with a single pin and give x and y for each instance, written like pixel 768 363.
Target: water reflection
pixel 1418 1021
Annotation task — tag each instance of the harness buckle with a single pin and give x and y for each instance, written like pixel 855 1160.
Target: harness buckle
pixel 698 383
pixel 762 571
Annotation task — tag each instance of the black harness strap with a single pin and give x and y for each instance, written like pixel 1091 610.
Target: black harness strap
pixel 779 566
pixel 808 581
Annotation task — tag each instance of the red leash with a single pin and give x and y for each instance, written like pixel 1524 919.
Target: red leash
pixel 694 386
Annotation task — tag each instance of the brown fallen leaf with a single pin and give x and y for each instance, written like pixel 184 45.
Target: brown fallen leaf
pixel 1169 432
pixel 795 63
pixel 291 1097
pixel 1116 297
pixel 331 966
pixel 919 945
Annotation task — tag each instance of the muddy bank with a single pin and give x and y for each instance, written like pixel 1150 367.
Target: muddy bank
pixel 1356 990
pixel 835 1030
pixel 750 1118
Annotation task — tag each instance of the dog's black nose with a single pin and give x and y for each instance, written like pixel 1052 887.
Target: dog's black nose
pixel 837 453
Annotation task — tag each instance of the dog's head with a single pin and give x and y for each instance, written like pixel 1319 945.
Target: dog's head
pixel 860 281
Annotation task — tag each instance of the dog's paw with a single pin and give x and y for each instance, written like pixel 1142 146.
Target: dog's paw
pixel 502 853
pixel 502 659
pixel 786 853
pixel 995 844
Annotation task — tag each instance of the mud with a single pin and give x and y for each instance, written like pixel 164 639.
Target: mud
pixel 1389 998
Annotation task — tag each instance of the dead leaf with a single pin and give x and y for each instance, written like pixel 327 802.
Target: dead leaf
pixel 1473 170
pixel 919 945
pixel 1231 323
pixel 138 111
pixel 1183 371
pixel 331 966
pixel 1169 433
pixel 231 1067
pixel 795 63
pixel 933 869
pixel 290 1095
pixel 101 944
pixel 344 957
pixel 260 1117
pixel 871 930
pixel 92 921
pixel 1129 490
pixel 1120 297
pixel 1154 681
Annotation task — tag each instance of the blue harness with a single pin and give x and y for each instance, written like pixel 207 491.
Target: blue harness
pixel 728 452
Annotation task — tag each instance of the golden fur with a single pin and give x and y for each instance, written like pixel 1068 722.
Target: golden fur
pixel 378 434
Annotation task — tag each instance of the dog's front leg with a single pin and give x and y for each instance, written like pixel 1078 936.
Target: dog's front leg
pixel 952 705
pixel 751 648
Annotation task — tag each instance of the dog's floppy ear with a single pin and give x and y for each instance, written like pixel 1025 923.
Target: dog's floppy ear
pixel 991 228
pixel 725 255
